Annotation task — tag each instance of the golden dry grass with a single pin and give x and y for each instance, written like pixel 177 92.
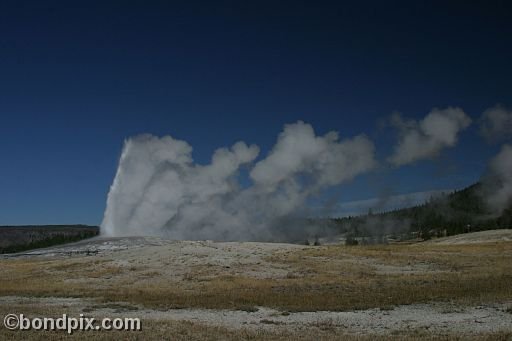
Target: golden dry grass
pixel 319 278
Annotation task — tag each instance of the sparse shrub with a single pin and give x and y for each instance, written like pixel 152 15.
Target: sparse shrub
pixel 351 241
pixel 249 309
pixel 425 234
pixel 267 321
pixel 326 325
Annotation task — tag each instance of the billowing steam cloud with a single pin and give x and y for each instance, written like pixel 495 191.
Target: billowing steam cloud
pixel 159 190
pixel 498 189
pixel 426 139
pixel 496 123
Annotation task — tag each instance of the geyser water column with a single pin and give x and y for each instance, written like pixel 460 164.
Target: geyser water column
pixel 156 178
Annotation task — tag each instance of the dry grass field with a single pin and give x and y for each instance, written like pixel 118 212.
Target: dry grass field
pixel 208 290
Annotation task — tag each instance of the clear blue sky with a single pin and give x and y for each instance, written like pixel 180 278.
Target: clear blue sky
pixel 77 78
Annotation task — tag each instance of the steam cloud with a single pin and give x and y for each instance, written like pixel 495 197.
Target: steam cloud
pixel 499 180
pixel 496 123
pixel 159 190
pixel 426 138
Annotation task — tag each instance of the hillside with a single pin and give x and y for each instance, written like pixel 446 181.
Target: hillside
pixel 21 238
pixel 489 236
pixel 458 212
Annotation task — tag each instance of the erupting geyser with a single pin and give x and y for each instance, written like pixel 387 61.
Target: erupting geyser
pixel 159 190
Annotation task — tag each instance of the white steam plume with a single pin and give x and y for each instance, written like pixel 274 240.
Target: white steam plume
pixel 498 189
pixel 159 190
pixel 496 123
pixel 425 139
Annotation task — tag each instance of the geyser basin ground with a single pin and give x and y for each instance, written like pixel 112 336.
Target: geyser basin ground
pixel 200 289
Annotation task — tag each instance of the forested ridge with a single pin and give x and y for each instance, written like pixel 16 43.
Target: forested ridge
pixel 449 214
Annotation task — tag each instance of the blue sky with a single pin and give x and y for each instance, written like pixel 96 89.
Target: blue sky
pixel 76 79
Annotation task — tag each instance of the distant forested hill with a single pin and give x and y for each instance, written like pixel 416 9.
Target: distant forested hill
pixel 458 212
pixel 21 238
